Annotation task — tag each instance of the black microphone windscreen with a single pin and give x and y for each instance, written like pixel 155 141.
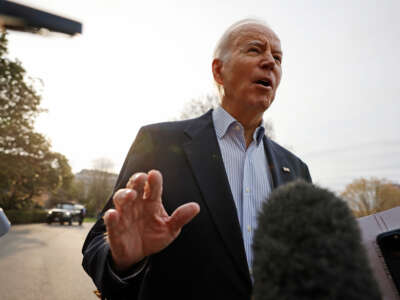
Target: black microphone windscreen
pixel 308 246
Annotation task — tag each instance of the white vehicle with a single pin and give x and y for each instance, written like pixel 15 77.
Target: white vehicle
pixel 66 212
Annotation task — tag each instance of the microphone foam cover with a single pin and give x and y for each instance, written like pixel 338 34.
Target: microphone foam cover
pixel 308 246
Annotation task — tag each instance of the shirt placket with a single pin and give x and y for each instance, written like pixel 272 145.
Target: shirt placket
pixel 248 203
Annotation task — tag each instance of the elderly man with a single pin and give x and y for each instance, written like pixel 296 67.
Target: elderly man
pixel 185 231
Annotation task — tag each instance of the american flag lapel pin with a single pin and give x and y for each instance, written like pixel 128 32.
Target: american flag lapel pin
pixel 286 169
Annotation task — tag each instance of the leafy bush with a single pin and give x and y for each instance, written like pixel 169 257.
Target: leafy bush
pixel 26 216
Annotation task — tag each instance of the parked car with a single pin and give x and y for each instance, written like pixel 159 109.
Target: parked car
pixel 66 212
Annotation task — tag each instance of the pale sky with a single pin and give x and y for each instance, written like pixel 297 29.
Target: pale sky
pixel 138 62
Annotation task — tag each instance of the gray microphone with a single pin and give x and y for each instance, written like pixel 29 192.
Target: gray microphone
pixel 308 246
pixel 4 223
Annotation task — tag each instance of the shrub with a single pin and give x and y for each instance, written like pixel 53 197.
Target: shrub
pixel 26 216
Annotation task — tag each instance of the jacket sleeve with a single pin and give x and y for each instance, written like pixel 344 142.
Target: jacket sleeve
pixel 96 250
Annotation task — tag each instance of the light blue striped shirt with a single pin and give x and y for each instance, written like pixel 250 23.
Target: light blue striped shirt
pixel 247 171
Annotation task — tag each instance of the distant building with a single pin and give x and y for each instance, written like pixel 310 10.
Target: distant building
pixel 86 177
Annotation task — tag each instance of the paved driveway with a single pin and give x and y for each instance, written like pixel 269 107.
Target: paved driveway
pixel 43 261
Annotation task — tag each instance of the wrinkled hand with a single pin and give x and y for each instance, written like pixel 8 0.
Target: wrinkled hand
pixel 139 225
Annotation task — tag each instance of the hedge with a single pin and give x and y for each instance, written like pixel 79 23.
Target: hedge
pixel 26 216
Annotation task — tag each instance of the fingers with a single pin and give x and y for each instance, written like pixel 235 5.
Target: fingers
pixel 111 218
pixel 137 183
pixel 148 186
pixel 153 188
pixel 134 190
pixel 112 222
pixel 122 198
pixel 140 186
pixel 183 215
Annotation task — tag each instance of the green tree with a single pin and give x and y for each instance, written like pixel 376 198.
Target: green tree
pixel 99 184
pixel 198 106
pixel 369 196
pixel 70 189
pixel 27 166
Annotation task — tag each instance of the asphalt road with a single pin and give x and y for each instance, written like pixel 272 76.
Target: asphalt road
pixel 43 261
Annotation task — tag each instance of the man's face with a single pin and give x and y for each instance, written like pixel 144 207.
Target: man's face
pixel 251 73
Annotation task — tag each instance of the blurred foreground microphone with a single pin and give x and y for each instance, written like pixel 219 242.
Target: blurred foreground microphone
pixel 308 246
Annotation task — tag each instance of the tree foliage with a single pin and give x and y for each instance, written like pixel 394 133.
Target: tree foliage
pixel 96 184
pixel 198 106
pixel 69 191
pixel 369 196
pixel 27 166
pixel 101 185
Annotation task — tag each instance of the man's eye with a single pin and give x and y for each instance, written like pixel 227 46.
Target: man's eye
pixel 278 58
pixel 254 50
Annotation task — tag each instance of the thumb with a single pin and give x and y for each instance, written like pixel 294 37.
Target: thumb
pixel 183 215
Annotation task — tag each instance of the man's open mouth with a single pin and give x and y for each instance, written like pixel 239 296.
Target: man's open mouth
pixel 264 82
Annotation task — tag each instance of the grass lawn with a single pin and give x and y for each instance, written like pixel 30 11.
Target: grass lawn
pixel 90 220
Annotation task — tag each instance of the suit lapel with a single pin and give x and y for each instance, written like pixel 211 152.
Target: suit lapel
pixel 205 159
pixel 277 164
pixel 273 163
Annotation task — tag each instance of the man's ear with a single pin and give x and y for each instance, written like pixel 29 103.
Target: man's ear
pixel 217 65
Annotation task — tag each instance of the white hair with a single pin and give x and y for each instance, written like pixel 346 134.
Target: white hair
pixel 222 50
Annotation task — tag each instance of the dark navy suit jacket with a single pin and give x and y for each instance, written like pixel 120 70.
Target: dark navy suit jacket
pixel 207 260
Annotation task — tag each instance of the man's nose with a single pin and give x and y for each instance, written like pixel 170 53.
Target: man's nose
pixel 268 61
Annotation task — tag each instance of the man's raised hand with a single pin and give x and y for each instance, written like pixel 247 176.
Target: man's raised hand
pixel 139 225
